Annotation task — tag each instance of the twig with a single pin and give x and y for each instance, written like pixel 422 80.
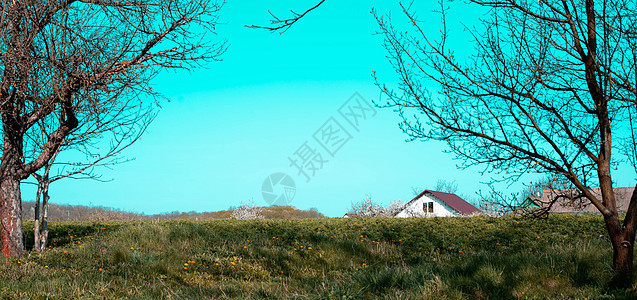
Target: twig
pixel 285 24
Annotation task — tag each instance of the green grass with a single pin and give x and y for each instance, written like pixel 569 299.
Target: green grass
pixel 453 258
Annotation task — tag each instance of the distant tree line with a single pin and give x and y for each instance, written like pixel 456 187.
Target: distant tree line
pixel 60 212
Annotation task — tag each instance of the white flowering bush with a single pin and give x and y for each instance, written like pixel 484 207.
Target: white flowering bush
pixel 247 212
pixel 368 208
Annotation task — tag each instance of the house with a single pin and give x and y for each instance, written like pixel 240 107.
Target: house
pixel 436 204
pixel 570 200
pixel 349 215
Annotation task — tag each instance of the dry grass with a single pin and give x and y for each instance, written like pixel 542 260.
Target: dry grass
pixel 448 258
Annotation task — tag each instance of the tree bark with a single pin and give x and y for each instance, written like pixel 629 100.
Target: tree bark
pixel 622 253
pixel 10 197
pixel 44 234
pixel 36 217
pixel 11 217
pixel 623 241
pixel 40 237
pixel 623 264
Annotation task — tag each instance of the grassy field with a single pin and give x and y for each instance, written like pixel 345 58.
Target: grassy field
pixel 478 257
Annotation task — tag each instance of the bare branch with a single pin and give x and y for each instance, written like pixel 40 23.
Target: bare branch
pixel 284 24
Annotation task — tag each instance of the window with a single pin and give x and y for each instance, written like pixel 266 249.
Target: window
pixel 428 207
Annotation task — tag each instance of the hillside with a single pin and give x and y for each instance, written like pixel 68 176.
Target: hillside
pixel 59 212
pixel 563 257
pixel 271 212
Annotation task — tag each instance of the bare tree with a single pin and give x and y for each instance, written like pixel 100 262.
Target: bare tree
pixel 68 61
pixel 88 141
pixel 446 186
pixel 547 86
pixel 442 185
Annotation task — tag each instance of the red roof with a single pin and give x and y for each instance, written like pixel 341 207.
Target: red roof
pixel 455 202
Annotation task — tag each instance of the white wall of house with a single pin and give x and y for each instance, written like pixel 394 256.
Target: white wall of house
pixel 415 208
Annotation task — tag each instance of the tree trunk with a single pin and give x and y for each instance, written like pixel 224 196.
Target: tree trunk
pixel 623 240
pixel 36 217
pixel 10 197
pixel 622 253
pixel 44 234
pixel 623 264
pixel 11 216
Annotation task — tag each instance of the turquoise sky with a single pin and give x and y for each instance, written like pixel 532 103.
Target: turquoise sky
pixel 234 123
